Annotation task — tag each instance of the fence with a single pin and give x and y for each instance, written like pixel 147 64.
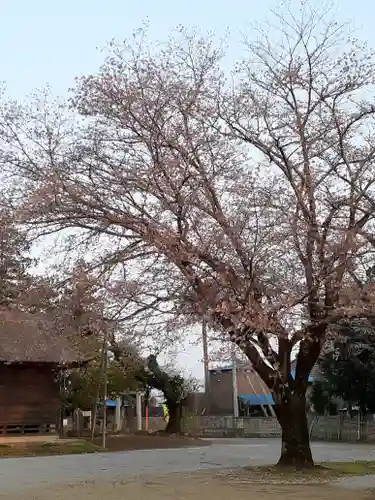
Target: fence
pixel 337 428
pixel 327 428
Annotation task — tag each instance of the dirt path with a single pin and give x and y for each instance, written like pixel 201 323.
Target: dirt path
pixel 188 487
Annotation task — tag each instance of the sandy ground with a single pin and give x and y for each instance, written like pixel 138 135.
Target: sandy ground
pixel 188 487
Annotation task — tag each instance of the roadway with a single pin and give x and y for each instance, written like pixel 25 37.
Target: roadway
pixel 34 472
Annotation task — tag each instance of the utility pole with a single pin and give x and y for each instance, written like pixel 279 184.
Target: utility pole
pixel 118 414
pixel 205 358
pixel 98 391
pixel 105 388
pixel 138 409
pixel 236 412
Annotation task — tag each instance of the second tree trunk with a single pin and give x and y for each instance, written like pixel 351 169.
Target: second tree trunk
pixel 295 440
pixel 174 425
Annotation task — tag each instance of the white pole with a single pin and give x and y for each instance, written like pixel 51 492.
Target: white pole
pixel 118 415
pixel 138 409
pixel 359 426
pixel 105 391
pixel 205 358
pixel 236 412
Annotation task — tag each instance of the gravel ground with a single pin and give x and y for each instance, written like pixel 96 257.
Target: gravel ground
pixel 357 483
pixel 191 486
pixel 22 476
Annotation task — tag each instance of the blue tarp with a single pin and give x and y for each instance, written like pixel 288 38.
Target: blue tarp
pixel 110 402
pixel 262 399
pixel 257 399
pixel 293 373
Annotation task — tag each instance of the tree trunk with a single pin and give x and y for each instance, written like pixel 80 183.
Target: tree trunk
pixel 295 447
pixel 174 425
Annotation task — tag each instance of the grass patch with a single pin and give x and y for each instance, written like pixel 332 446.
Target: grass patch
pixel 75 447
pixel 322 473
pixel 358 468
pixel 332 469
pixel 44 449
pixel 84 445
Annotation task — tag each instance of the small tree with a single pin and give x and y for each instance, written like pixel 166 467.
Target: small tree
pixel 80 386
pixel 174 387
pixel 82 306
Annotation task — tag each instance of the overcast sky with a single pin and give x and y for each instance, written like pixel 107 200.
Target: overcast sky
pixel 45 42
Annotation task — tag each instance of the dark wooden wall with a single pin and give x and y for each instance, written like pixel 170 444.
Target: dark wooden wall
pixel 221 393
pixel 29 396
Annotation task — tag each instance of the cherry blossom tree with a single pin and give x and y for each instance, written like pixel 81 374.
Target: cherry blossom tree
pixel 15 263
pixel 246 200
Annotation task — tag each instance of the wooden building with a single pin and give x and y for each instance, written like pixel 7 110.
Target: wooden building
pixel 31 355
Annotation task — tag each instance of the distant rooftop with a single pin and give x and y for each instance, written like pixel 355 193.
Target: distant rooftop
pixel 242 365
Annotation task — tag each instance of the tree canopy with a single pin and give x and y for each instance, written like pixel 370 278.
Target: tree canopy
pixel 246 198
